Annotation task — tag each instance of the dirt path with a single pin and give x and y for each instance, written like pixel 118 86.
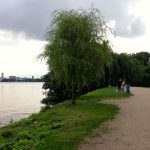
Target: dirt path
pixel 130 129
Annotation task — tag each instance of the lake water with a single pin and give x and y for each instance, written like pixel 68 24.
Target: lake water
pixel 19 100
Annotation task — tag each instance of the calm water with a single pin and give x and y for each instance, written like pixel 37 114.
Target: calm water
pixel 19 100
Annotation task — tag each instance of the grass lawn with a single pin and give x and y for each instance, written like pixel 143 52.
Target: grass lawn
pixel 62 127
pixel 104 93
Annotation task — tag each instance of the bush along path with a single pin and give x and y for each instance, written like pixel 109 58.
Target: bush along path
pixel 62 127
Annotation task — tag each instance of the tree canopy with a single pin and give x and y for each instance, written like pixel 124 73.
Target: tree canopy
pixel 80 58
pixel 77 48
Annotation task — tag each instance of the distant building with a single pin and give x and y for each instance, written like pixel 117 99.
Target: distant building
pixel 12 77
pixel 32 77
pixel 18 79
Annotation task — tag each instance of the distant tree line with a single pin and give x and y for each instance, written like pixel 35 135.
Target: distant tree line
pixel 80 58
pixel 135 68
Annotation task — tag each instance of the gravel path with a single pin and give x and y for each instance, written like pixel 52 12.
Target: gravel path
pixel 130 129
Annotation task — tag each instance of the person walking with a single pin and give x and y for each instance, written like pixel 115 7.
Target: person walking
pixel 128 88
pixel 123 85
pixel 119 85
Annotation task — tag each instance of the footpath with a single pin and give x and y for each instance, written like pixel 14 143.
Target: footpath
pixel 131 128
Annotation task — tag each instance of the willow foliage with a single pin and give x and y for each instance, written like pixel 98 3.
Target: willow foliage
pixel 77 49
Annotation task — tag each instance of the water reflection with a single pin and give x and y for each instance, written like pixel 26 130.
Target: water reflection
pixel 19 100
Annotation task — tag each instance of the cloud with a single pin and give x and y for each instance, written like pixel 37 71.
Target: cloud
pixel 18 56
pixel 29 16
pixel 127 24
pixel 32 17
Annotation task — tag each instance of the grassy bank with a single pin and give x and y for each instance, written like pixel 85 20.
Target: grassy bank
pixel 63 127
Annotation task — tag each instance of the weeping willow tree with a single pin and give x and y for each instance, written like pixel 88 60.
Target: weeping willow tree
pixel 75 50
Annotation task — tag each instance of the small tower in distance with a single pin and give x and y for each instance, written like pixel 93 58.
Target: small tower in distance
pixel 2 75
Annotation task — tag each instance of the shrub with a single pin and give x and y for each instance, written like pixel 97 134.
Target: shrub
pixel 7 133
pixel 23 145
pixel 23 135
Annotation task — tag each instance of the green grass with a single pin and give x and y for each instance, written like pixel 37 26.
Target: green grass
pixel 104 93
pixel 63 127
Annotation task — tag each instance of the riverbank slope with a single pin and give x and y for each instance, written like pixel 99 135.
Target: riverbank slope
pixel 64 126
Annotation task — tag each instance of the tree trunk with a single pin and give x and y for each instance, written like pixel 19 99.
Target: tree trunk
pixel 73 97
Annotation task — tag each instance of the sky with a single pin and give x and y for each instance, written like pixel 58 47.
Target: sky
pixel 23 26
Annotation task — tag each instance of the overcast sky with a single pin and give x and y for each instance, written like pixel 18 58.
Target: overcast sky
pixel 23 24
